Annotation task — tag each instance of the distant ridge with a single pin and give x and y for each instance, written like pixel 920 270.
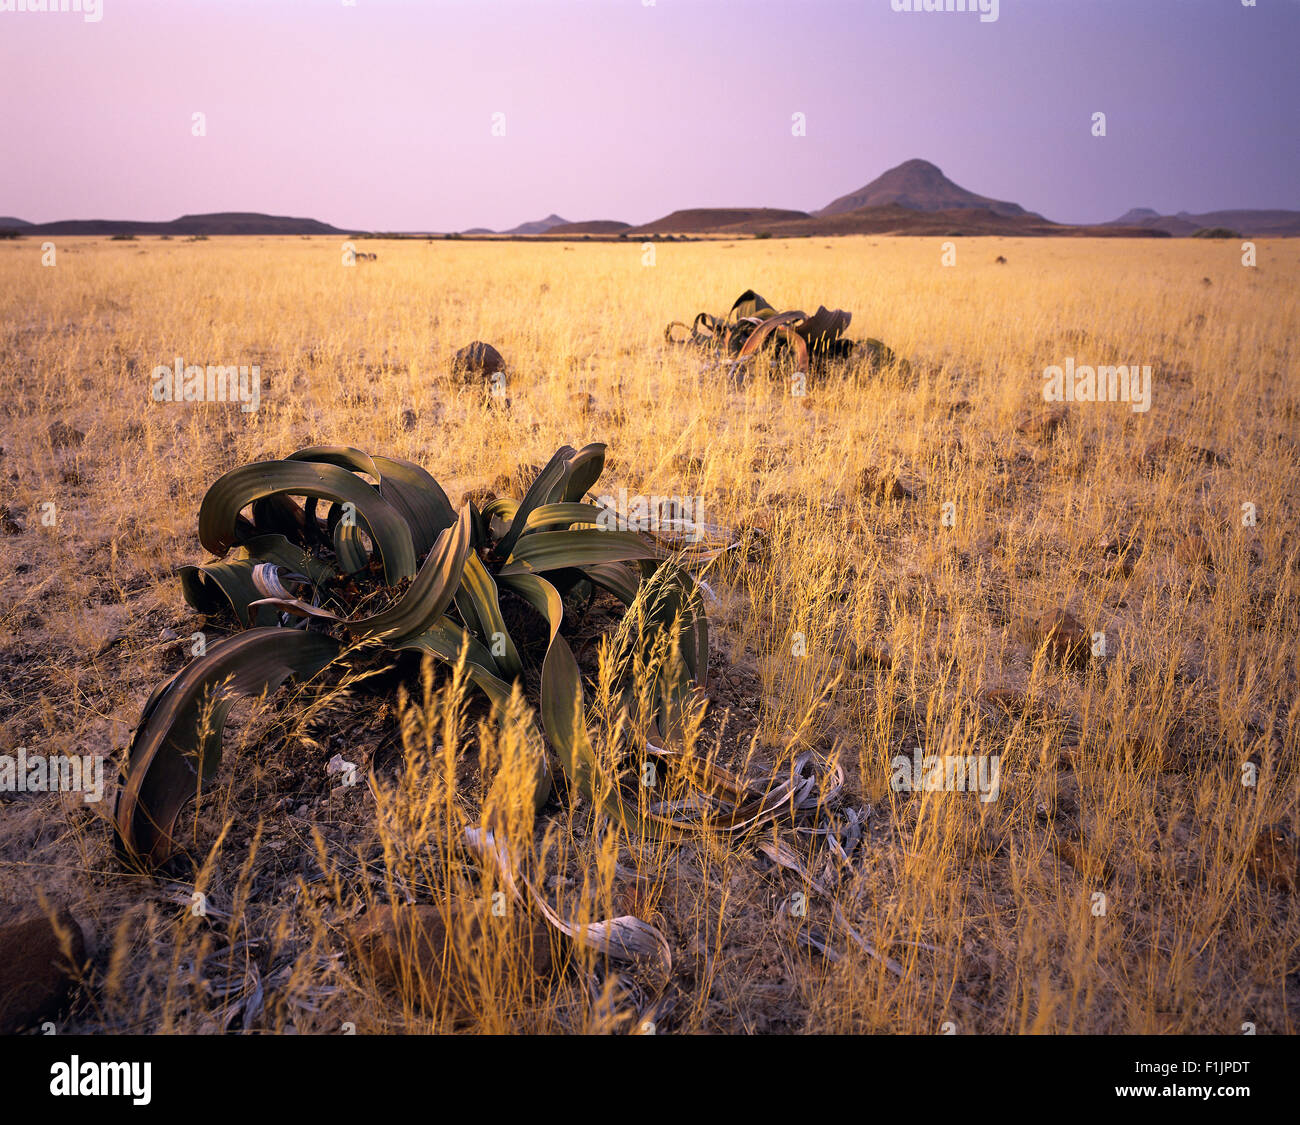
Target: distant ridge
pixel 893 219
pixel 1249 224
pixel 538 226
pixel 918 185
pixel 591 226
pixel 913 198
pixel 739 220
pixel 223 222
pixel 916 198
pixel 887 219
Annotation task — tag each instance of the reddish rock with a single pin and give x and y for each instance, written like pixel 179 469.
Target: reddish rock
pixel 1007 699
pixel 1193 550
pixel 1068 642
pixel 479 497
pixel 1274 858
pixel 859 657
pixel 37 968
pixel 63 436
pixel 583 404
pixel 412 950
pixel 1172 448
pixel 1042 424
pixel 1120 552
pixel 872 654
pixel 882 486
pixel 516 484
pixel 1119 544
pixel 1085 859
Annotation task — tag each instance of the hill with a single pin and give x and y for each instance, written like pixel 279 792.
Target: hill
pixel 918 185
pixel 538 226
pixel 1137 215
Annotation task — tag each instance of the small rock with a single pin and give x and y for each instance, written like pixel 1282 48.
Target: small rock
pixel 1274 859
pixel 1121 551
pixel 340 765
pixel 479 497
pixel 10 523
pixel 1068 642
pixel 477 359
pixel 1005 699
pixel 1171 448
pixel 1000 260
pixel 35 972
pixel 1086 860
pixel 1192 549
pixel 883 486
pixel 168 635
pixel 870 654
pixel 62 435
pixel 1117 544
pixel 516 484
pixel 583 403
pixel 1042 425
pixel 859 657
pixel 411 949
pixel 1158 451
pixel 875 353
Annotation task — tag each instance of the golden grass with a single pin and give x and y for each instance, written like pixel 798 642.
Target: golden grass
pixel 990 907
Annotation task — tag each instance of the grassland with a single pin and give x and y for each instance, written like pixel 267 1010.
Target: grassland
pixel 1120 778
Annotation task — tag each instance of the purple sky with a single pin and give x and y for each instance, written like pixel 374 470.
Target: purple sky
pixel 379 115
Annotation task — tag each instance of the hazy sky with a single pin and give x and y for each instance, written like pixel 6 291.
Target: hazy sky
pixel 379 115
